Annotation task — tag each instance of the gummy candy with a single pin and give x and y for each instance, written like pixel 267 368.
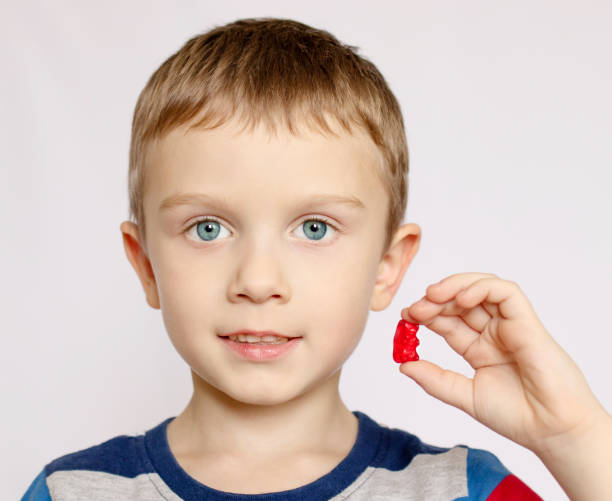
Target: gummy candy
pixel 405 342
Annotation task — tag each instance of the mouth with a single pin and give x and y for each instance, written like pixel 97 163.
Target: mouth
pixel 260 347
pixel 258 337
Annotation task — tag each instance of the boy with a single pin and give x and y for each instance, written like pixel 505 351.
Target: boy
pixel 268 181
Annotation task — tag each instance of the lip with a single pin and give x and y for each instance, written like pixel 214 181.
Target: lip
pixel 257 333
pixel 261 352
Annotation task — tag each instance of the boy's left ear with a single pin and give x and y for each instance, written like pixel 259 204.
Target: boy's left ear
pixel 393 266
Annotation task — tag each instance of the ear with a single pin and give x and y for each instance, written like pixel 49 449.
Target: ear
pixel 134 250
pixel 394 264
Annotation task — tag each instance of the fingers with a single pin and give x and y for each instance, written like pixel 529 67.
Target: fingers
pixel 424 311
pixel 439 300
pixel 464 306
pixel 453 329
pixel 480 292
pixel 447 288
pixel 510 300
pixel 467 342
pixel 495 295
pixel 447 386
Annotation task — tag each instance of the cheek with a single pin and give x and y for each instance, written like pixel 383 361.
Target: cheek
pixel 338 300
pixel 188 293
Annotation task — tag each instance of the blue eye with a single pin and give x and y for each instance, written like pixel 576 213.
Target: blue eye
pixel 208 229
pixel 317 228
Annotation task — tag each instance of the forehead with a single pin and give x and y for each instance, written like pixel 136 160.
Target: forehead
pixel 244 164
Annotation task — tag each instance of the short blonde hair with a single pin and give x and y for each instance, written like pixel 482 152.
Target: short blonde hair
pixel 271 71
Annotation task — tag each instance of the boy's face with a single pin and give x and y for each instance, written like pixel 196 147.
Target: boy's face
pixel 263 264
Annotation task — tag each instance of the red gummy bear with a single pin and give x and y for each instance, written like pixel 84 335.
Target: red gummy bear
pixel 405 342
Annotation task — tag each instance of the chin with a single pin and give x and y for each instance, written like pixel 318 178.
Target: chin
pixel 258 395
pixel 264 401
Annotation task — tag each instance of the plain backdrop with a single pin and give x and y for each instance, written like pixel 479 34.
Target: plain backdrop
pixel 508 113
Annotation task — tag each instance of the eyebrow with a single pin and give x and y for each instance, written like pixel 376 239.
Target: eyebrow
pixel 204 199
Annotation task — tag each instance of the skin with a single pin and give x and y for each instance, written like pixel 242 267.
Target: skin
pixel 264 272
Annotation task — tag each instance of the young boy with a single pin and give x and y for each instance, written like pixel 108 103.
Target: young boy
pixel 268 182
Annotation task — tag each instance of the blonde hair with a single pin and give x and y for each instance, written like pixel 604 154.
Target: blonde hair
pixel 271 71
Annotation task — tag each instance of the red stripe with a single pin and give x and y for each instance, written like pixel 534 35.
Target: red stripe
pixel 512 488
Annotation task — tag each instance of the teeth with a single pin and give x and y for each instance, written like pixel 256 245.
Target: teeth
pixel 267 339
pixel 270 339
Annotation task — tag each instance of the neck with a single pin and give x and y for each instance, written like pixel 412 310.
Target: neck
pixel 214 423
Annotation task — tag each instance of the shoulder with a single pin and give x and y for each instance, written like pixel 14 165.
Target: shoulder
pixel 490 480
pixel 404 463
pixel 113 465
pixel 405 467
pixel 484 472
pixel 400 449
pixel 120 455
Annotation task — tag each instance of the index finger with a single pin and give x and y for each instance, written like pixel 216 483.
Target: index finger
pixel 449 287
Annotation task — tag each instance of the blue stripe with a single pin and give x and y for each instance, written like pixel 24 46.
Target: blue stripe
pixel 484 473
pixel 38 491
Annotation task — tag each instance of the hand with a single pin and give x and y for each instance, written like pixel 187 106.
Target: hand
pixel 525 386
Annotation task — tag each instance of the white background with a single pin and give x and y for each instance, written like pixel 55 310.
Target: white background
pixel 508 114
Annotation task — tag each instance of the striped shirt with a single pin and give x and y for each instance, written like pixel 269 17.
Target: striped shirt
pixel 384 464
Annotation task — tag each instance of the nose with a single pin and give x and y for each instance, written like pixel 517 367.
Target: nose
pixel 259 276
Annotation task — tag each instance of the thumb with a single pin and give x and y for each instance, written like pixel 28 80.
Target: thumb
pixel 447 386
